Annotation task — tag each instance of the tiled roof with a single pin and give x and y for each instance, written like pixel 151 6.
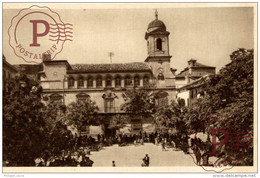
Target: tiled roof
pixel 197 64
pixel 117 67
pixel 201 65
pixel 181 74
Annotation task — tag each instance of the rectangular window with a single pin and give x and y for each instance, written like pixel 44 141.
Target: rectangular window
pixel 109 105
pixel 163 101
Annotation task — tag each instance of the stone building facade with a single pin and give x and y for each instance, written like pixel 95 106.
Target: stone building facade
pixel 189 81
pixel 105 83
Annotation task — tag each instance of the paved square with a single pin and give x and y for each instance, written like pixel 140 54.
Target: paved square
pixel 131 156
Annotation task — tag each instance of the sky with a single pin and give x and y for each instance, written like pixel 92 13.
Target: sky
pixel 208 34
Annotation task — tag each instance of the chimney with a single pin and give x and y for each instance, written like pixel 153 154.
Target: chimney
pixel 46 57
pixel 192 62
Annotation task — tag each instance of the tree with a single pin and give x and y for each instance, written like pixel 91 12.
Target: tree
pixel 23 124
pixel 31 129
pixel 230 95
pixel 172 116
pixel 118 121
pixel 58 137
pixel 83 113
pixel 139 101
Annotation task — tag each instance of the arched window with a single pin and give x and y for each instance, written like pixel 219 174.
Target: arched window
pixel 90 82
pixel 109 81
pixel 118 81
pixel 159 44
pixel 99 82
pixel 128 81
pixel 71 82
pixel 137 81
pixel 146 80
pixel 81 82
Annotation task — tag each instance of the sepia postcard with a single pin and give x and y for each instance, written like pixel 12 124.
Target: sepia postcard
pixel 129 87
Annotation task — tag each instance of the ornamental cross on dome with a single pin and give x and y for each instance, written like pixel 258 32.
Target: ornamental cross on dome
pixel 156 14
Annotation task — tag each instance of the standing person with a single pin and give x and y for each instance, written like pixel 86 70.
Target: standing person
pixel 198 155
pixel 147 160
pixel 113 164
pixel 163 146
pixel 98 137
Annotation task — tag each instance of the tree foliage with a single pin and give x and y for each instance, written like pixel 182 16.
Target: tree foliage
pixel 172 117
pixel 139 101
pixel 229 94
pixel 227 97
pixel 31 129
pixel 83 113
pixel 57 136
pixel 23 124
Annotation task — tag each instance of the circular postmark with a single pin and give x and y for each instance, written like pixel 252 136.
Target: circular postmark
pixel 215 144
pixel 37 32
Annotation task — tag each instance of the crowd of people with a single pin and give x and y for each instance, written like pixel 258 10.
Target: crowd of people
pixel 84 145
pixel 122 139
pixel 78 158
pixel 201 150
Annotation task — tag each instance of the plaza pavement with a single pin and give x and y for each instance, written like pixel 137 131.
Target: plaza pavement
pixel 131 156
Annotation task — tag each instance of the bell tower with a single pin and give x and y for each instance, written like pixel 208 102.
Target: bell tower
pixel 158 49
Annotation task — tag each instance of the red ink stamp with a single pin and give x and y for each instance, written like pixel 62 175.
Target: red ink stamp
pixel 216 145
pixel 35 31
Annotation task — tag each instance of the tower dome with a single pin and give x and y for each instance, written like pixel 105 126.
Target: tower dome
pixel 156 24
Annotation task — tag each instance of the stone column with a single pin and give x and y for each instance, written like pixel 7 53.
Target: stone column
pixel 122 82
pixel 94 83
pixel 141 82
pixel 75 83
pixel 103 82
pixel 113 82
pixel 85 83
